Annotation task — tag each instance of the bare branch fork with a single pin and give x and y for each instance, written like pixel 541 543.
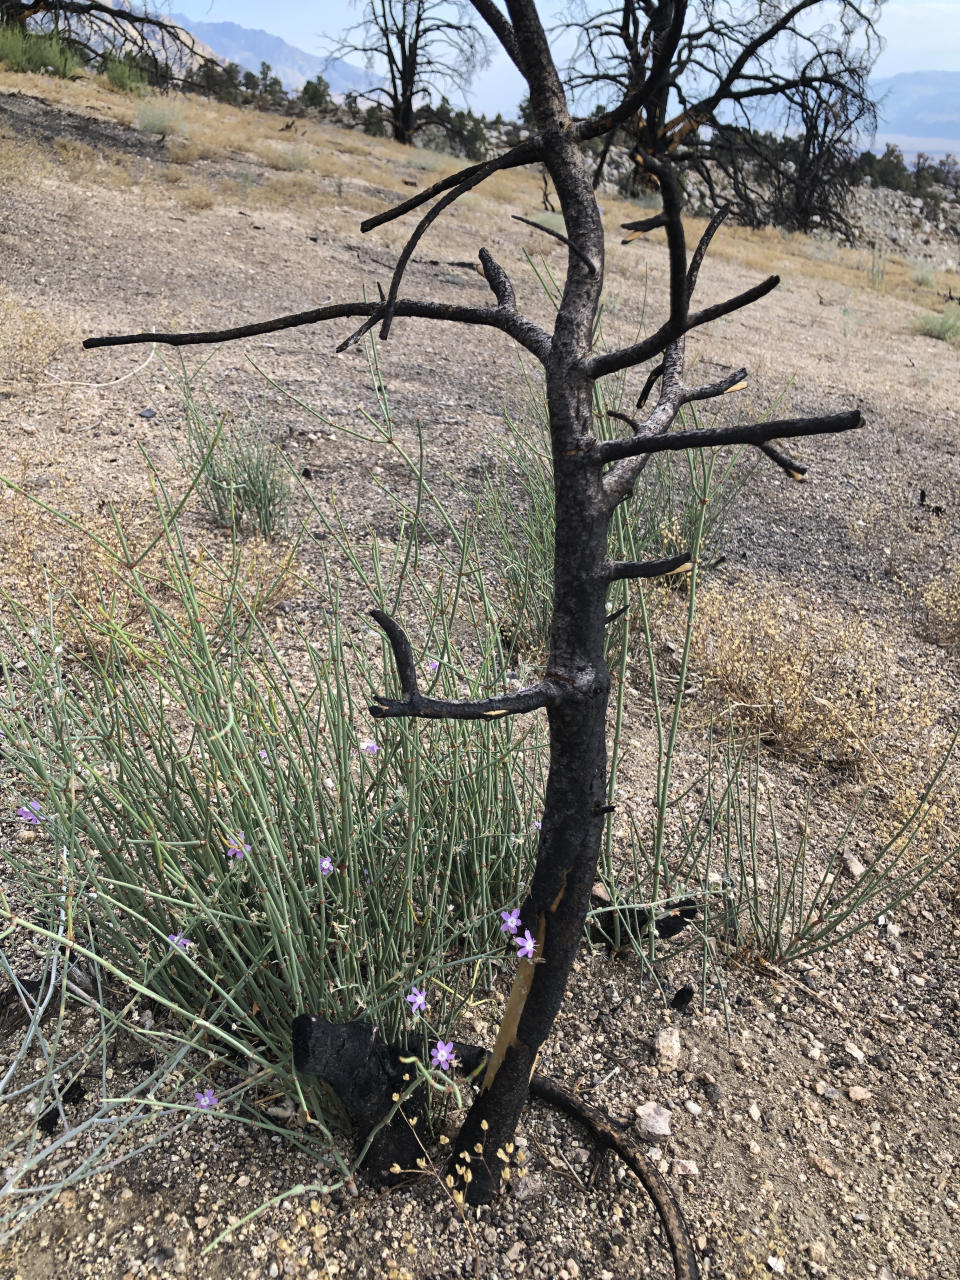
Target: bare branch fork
pixel 590 478
pixel 413 703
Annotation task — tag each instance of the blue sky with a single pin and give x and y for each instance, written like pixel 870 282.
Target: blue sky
pixel 921 35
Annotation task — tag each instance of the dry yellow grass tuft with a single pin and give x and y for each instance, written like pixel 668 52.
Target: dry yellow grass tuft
pixel 29 339
pixel 816 684
pixel 76 580
pixel 195 196
pixel 938 609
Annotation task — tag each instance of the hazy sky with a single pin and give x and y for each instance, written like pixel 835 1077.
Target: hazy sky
pixel 920 35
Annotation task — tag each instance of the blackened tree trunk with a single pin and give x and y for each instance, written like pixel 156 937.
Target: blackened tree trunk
pixel 591 478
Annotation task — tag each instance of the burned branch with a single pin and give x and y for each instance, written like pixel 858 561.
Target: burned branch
pixel 414 704
pixel 759 433
pixel 558 235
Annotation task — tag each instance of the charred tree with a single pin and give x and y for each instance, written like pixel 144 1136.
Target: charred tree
pixel 592 477
pixel 771 98
pixel 424 45
pixel 163 51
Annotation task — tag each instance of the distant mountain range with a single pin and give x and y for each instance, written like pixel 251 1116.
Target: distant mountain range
pixel 919 111
pixel 248 48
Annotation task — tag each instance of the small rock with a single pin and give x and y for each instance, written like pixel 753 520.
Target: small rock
pixel 571 1268
pixel 853 866
pixel 667 1049
pixel 857 1054
pixel 515 1250
pixel 147 414
pixel 711 1090
pixel 754 1113
pixel 856 1093
pixel 490 1235
pixel 654 1120
pixel 685 1169
pixel 693 1107
pixel 776 1265
pixel 528 1187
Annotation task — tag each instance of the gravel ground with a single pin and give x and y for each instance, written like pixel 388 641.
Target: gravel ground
pixel 812 1115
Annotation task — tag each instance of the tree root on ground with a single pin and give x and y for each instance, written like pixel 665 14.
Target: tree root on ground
pixel 610 1136
pixel 367 1074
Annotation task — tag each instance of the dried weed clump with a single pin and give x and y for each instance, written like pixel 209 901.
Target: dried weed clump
pixel 105 166
pixel 938 609
pixel 29 339
pixel 194 196
pixel 813 684
pixel 82 582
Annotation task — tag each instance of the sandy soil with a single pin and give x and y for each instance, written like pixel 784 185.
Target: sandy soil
pixel 814 1118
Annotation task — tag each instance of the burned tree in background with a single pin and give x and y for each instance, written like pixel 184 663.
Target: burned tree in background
pixel 770 98
pixel 426 46
pixel 592 476
pixel 98 31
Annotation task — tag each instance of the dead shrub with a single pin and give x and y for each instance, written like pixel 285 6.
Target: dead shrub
pixel 817 685
pixel 938 611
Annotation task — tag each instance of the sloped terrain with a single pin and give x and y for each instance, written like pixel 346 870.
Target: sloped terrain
pixel 813 1113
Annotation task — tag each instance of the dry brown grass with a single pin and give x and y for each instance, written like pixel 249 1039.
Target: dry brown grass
pixel 21 162
pixel 75 580
pixel 187 151
pixel 817 684
pixel 195 196
pixel 938 611
pixel 29 339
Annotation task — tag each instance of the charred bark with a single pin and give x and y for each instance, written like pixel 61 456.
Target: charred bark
pixel 590 478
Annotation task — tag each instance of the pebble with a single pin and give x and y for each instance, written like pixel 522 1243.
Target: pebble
pixel 685 1169
pixel 667 1050
pixel 654 1120
pixel 776 1265
pixel 755 1113
pixel 856 1093
pixel 857 1054
pixel 853 866
pixel 693 1107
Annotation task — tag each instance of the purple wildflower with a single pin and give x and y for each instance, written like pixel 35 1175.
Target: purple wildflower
pixel 417 1000
pixel 511 920
pixel 30 812
pixel 441 1055
pixel 433 665
pixel 326 866
pixel 236 848
pixel 537 824
pixel 207 1100
pixel 263 754
pixel 526 945
pixel 369 747
pixel 179 940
